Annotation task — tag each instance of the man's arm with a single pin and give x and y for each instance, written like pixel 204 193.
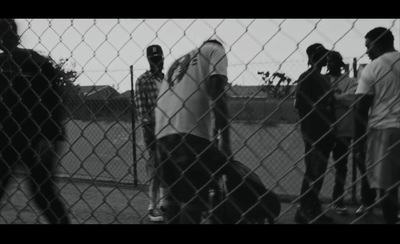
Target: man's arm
pixel 361 111
pixel 216 90
pixel 141 101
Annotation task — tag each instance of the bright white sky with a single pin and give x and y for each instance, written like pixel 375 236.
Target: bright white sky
pixel 103 49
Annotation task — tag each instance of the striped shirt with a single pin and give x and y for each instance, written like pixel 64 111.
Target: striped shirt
pixel 147 87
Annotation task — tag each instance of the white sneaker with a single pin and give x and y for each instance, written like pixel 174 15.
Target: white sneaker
pixel 155 215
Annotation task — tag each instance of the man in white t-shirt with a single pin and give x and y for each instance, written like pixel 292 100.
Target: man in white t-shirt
pixel 378 114
pixel 191 106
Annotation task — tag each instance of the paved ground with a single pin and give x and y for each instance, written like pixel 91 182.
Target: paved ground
pixel 110 204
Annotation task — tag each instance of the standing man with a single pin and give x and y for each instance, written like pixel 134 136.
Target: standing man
pixel 344 88
pixel 314 102
pixel 31 121
pixel 147 88
pixel 377 118
pixel 191 98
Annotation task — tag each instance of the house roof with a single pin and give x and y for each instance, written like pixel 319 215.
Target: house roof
pixel 98 91
pixel 233 91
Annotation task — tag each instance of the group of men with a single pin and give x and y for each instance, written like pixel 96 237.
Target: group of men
pixel 325 104
pixel 183 111
pixel 333 108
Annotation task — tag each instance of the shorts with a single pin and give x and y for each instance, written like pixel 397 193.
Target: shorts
pixel 189 164
pixel 383 158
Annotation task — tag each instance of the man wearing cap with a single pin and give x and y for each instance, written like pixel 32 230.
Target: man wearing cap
pixel 191 105
pixel 314 102
pixel 344 88
pixel 147 88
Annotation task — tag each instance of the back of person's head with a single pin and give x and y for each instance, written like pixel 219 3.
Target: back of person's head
pixel 9 37
pixel 381 36
pixel 337 58
pixel 214 38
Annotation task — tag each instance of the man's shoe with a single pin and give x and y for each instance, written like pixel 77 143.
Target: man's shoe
pixel 339 209
pixel 363 210
pixel 155 215
pixel 163 209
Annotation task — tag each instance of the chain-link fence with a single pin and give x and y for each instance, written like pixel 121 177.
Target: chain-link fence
pixel 101 61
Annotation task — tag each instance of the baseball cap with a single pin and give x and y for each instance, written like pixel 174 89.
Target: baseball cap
pixel 315 48
pixel 154 50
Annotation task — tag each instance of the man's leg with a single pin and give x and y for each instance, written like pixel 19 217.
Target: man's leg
pixel 368 194
pixel 153 181
pixel 42 182
pixel 169 175
pixel 390 205
pixel 340 155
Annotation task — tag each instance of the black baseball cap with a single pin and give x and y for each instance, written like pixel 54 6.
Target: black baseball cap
pixel 154 50
pixel 315 48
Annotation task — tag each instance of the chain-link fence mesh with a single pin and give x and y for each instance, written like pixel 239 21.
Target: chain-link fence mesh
pixel 102 59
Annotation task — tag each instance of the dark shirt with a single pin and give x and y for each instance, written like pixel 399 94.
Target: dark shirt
pixel 314 103
pixel 30 105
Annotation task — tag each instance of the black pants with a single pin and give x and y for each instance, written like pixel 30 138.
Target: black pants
pixel 340 154
pixel 316 162
pixel 41 181
pixel 188 166
pixel 390 205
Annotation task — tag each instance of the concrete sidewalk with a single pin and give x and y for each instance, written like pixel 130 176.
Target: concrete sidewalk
pixel 99 203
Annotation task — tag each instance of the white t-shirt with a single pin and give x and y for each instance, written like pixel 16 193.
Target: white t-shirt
pixel 381 78
pixel 183 105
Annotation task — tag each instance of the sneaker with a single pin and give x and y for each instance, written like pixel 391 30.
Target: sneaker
pixel 155 215
pixel 363 210
pixel 339 209
pixel 163 209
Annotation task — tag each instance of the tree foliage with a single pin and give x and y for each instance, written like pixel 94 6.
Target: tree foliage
pixel 70 92
pixel 278 85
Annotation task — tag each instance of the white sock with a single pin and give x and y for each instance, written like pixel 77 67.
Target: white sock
pixel 163 192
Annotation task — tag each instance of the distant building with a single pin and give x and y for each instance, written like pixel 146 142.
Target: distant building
pixel 98 92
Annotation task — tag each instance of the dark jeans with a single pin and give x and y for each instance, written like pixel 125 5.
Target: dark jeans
pixel 340 154
pixel 390 205
pixel 316 162
pixel 188 164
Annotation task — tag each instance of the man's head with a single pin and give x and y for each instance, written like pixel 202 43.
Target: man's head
pixel 378 41
pixel 317 55
pixel 335 62
pixel 9 38
pixel 155 56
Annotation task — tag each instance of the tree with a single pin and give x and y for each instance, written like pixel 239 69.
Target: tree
pixel 278 85
pixel 70 93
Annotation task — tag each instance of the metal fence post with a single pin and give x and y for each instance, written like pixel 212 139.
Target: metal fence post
pixel 354 166
pixel 133 129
